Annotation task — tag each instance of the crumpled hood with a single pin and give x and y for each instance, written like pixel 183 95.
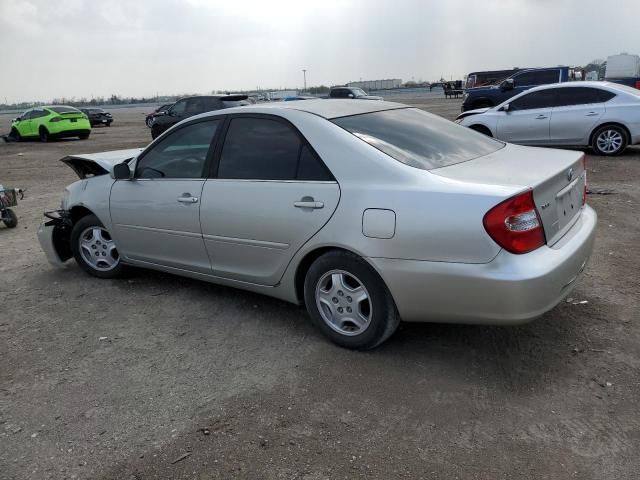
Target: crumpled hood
pixel 94 164
pixel 468 113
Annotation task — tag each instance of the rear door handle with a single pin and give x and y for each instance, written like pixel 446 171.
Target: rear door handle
pixel 592 114
pixel 187 198
pixel 308 204
pixel 541 117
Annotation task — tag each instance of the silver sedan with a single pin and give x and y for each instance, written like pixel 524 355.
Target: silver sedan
pixel 366 212
pixel 603 115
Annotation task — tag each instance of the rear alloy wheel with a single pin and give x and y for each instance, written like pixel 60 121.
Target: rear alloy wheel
pixel 609 140
pixel 349 302
pixel 43 134
pixel 94 249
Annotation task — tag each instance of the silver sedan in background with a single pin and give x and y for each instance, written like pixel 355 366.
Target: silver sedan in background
pixel 366 212
pixel 602 115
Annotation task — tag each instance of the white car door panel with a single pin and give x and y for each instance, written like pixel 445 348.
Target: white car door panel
pixel 271 195
pixel 158 221
pixel 574 123
pixel 156 215
pixel 525 126
pixel 252 229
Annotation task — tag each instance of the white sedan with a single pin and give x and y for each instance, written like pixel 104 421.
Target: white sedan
pixel 603 115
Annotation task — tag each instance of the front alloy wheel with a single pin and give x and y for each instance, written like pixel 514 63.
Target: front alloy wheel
pixel 94 248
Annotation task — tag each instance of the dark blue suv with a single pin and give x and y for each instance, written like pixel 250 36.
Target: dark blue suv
pixel 492 95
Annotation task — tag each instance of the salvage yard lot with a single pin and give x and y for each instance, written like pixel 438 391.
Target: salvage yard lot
pixel 157 376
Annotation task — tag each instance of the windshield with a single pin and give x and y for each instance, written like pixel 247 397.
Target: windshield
pixel 418 138
pixel 63 109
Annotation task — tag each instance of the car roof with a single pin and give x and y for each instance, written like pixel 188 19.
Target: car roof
pixel 325 108
pixel 585 83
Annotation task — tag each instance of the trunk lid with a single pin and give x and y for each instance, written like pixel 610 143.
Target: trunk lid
pixel 557 178
pixel 94 164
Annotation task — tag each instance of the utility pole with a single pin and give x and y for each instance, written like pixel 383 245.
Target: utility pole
pixel 304 74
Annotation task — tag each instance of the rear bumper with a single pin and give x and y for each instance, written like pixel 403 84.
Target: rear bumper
pixel 70 133
pixel 509 290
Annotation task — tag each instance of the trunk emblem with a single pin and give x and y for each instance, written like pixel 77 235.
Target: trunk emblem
pixel 570 174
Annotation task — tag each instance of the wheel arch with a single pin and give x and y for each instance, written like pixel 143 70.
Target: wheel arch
pixel 481 128
pixel 610 124
pixel 311 256
pixel 78 212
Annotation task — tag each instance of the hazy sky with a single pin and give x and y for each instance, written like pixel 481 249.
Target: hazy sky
pixel 79 48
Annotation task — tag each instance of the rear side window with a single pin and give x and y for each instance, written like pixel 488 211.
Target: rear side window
pixel 545 77
pixel 39 113
pixel 578 96
pixel 418 138
pixel 264 149
pixel 540 99
pixel 605 95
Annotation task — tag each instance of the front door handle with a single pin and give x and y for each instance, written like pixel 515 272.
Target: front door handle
pixel 308 202
pixel 541 117
pixel 187 198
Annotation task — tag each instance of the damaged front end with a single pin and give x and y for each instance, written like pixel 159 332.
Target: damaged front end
pixel 54 235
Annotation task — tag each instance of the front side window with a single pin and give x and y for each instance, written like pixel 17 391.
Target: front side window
pixel 524 79
pixel 39 113
pixel 179 107
pixel 265 149
pixel 182 154
pixel 418 138
pixel 530 101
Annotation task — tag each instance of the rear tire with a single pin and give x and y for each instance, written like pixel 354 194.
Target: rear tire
pixel 348 301
pixel 94 249
pixel 11 219
pixel 84 136
pixel 44 135
pixel 609 140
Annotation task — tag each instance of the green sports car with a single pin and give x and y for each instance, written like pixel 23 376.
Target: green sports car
pixel 49 122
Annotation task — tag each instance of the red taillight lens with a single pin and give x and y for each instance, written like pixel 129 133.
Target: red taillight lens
pixel 515 224
pixel 638 84
pixel 56 119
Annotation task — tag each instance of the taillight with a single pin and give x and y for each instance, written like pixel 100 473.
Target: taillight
pixel 584 190
pixel 56 119
pixel 515 224
pixel 637 84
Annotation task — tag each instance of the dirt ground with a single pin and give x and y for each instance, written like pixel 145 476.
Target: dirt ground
pixel 157 376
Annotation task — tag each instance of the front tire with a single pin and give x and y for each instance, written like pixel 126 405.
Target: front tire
pixel 14 135
pixel 349 302
pixel 10 219
pixel 84 136
pixel 94 248
pixel 609 140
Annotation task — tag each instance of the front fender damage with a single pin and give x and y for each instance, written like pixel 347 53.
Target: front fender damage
pixel 55 236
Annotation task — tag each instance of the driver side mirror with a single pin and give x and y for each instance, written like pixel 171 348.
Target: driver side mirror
pixel 351 95
pixel 508 84
pixel 505 108
pixel 121 171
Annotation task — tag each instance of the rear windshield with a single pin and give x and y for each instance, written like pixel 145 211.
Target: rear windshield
pixel 418 138
pixel 63 109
